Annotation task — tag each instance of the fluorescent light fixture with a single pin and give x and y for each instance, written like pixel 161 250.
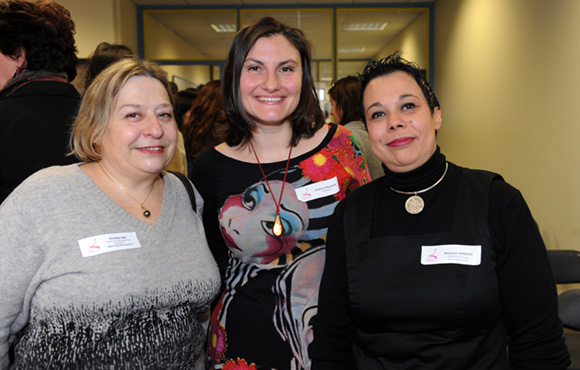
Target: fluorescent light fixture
pixel 224 27
pixel 351 50
pixel 365 26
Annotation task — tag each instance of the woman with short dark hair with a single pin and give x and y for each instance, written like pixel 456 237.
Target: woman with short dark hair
pixel 433 266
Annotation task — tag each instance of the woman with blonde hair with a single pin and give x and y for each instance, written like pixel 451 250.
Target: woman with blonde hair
pixel 105 263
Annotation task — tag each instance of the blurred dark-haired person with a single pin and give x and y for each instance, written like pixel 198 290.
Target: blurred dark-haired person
pixel 206 118
pixel 433 266
pixel 344 96
pixel 37 101
pixel 104 55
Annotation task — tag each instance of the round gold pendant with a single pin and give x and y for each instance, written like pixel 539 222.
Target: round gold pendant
pixel 277 229
pixel 414 204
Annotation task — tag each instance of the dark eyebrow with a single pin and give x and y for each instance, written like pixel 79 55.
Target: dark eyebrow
pixel 405 96
pixel 377 104
pixel 288 61
pixel 402 97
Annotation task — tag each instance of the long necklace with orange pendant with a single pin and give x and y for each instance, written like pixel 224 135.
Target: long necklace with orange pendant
pixel 278 228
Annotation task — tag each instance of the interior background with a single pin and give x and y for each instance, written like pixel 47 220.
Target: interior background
pixel 506 73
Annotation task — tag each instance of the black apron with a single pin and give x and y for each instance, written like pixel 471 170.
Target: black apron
pixel 414 316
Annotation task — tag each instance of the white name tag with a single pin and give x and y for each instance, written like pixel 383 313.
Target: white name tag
pixel 451 253
pixel 100 244
pixel 318 190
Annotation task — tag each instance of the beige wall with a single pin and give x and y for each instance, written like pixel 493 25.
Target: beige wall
pixel 164 44
pixel 113 21
pixel 507 75
pixel 413 41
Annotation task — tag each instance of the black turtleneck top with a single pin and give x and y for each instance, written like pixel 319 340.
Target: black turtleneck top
pixel 381 308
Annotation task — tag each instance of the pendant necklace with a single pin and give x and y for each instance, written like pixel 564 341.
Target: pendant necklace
pixel 278 228
pixel 146 212
pixel 415 203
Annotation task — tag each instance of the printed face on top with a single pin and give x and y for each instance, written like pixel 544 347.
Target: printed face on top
pixel 142 133
pixel 271 80
pixel 400 124
pixel 246 222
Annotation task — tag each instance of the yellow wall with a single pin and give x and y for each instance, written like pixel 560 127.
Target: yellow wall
pixel 95 22
pixel 507 75
pixel 413 41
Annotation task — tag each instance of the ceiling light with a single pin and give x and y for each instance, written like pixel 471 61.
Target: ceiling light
pixel 224 27
pixel 351 50
pixel 365 26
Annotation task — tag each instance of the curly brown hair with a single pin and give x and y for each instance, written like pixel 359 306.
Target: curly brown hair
pixel 44 30
pixel 206 119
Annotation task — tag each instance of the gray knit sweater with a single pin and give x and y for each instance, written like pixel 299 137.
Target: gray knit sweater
pixel 134 307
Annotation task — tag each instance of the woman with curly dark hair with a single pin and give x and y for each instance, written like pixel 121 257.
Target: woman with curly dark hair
pixel 37 101
pixel 207 113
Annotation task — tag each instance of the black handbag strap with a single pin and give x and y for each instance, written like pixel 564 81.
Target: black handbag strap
pixel 188 187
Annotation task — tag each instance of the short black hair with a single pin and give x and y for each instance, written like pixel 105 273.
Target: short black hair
pixel 394 63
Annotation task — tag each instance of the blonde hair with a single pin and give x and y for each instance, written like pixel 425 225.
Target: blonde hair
pixel 99 100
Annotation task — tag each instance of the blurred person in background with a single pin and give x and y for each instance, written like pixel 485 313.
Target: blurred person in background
pixel 205 119
pixel 37 101
pixel 102 57
pixel 183 102
pixel 345 98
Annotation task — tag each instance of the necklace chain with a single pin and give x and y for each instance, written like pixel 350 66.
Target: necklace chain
pixel 415 203
pixel 146 212
pixel 277 228
pixel 426 189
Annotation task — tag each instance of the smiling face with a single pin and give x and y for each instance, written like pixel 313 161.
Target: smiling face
pixel 271 80
pixel 400 124
pixel 142 133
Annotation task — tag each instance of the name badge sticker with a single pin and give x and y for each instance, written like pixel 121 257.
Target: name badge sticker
pixel 451 253
pixel 95 245
pixel 318 190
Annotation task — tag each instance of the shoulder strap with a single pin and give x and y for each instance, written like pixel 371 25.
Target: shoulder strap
pixel 359 209
pixel 188 187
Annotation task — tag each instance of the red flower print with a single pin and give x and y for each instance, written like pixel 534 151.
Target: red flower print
pixel 340 139
pixel 217 342
pixel 341 159
pixel 241 364
pixel 320 166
